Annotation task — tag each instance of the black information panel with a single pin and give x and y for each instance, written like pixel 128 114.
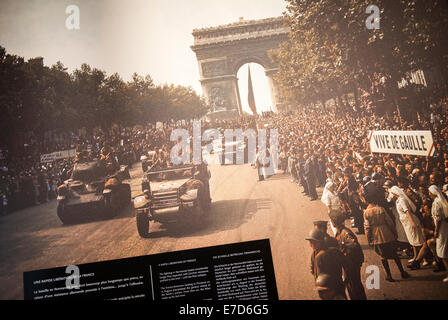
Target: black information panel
pixel 240 271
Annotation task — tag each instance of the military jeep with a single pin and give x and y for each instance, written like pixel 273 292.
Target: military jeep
pixel 174 192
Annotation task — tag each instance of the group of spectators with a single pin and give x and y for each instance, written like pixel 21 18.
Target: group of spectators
pixel 26 181
pixel 395 199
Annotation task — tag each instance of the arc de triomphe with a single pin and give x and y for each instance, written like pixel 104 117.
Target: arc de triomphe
pixel 222 50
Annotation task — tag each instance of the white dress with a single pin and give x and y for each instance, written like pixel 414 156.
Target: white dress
pixel 442 239
pixel 414 235
pixel 401 234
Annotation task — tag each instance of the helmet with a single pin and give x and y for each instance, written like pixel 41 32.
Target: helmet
pixel 320 223
pixel 315 235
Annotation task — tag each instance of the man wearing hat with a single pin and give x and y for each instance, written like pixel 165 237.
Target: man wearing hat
pixel 350 247
pixel 323 227
pixel 325 260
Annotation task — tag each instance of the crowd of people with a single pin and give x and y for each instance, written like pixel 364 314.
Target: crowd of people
pixel 26 181
pixel 399 202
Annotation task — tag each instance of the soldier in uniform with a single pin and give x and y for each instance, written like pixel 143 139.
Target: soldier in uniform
pixel 350 247
pixel 329 240
pixel 325 260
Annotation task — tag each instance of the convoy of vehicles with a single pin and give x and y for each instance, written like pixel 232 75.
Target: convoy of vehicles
pixel 92 192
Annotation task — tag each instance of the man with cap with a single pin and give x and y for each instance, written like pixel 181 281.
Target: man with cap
pixel 350 247
pixel 327 260
pixel 323 227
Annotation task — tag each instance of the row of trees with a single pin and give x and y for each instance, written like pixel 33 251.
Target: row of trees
pixel 331 51
pixel 36 98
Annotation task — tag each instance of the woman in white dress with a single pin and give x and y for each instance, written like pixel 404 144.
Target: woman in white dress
pixel 439 213
pixel 331 199
pixel 401 234
pixel 411 224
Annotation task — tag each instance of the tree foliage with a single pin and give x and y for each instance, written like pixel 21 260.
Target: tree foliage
pixel 331 52
pixel 36 98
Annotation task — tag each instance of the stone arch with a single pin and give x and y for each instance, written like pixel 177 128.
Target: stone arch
pixel 222 50
pixel 249 59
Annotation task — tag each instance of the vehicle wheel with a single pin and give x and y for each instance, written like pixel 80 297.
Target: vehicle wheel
pixel 142 224
pixel 65 219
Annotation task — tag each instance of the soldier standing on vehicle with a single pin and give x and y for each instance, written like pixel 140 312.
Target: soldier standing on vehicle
pixel 350 247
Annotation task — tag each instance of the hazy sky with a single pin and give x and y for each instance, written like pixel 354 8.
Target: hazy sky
pixel 125 36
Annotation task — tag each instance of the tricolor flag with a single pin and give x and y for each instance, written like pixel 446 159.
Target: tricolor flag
pixel 250 95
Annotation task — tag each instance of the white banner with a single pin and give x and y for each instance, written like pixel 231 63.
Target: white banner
pixel 419 143
pixel 49 157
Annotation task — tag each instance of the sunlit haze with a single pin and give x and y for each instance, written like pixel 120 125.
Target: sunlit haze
pixel 148 37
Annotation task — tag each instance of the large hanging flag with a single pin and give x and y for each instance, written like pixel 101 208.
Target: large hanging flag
pixel 250 95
